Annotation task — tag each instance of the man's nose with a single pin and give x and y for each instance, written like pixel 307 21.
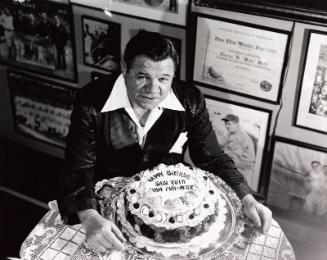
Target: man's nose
pixel 152 86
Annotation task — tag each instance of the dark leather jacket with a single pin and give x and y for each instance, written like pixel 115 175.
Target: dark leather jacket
pixel 105 145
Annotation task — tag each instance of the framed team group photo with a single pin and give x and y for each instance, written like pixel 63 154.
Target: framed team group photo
pixel 242 131
pixel 101 44
pixel 311 111
pixel 41 108
pixel 39 37
pixel 298 182
pixel 240 58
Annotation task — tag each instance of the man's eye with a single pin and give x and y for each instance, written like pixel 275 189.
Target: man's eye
pixel 163 80
pixel 141 77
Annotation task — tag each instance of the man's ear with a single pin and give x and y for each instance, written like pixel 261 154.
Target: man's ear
pixel 123 67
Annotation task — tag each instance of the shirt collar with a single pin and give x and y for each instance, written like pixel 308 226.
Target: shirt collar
pixel 119 98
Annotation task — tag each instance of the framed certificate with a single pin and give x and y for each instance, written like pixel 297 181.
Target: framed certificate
pixel 311 112
pixel 41 108
pixel 242 131
pixel 240 58
pixel 101 44
pixel 39 37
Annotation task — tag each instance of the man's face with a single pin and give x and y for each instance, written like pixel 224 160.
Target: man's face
pixel 231 126
pixel 148 82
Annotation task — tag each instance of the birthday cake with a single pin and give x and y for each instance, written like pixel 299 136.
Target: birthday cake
pixel 171 210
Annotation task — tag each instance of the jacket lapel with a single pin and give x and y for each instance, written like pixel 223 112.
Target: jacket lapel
pixel 162 135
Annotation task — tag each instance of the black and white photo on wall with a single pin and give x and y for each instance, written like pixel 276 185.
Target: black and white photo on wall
pixel 242 131
pixel 169 11
pixel 101 44
pixel 241 58
pixel 38 36
pixel 311 110
pixel 41 108
pixel 298 181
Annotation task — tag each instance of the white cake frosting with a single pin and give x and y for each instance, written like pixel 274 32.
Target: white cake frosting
pixel 169 201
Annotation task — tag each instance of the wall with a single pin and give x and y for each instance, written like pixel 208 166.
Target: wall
pixel 282 114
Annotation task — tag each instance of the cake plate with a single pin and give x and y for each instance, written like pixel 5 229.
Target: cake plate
pixel 231 235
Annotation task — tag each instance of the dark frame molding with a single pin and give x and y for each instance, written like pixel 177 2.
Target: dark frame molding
pixel 313 11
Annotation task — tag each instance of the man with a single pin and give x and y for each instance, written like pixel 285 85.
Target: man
pixel 60 38
pixel 239 146
pixel 121 125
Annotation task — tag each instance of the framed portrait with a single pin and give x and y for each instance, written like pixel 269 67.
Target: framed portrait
pixel 297 185
pixel 311 111
pixel 38 36
pixel 242 131
pixel 101 44
pixel 240 58
pixel 166 11
pixel 41 108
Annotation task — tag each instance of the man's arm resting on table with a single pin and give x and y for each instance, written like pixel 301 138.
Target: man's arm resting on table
pixel 257 212
pixel 101 234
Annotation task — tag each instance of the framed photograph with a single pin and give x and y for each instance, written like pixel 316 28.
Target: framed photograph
pixel 132 25
pixel 311 112
pixel 240 58
pixel 41 108
pixel 101 44
pixel 242 131
pixel 167 11
pixel 298 185
pixel 38 36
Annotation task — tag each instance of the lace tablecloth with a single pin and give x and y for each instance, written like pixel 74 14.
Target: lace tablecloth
pixel 52 240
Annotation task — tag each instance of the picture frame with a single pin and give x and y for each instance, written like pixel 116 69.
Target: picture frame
pixel 240 58
pixel 296 185
pixel 101 43
pixel 41 108
pixel 311 104
pixel 39 38
pixel 243 132
pixel 165 11
pixel 132 25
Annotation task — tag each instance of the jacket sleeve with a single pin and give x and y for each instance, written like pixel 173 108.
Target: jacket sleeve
pixel 80 157
pixel 207 154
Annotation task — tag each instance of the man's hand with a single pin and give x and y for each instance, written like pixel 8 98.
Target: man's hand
pixel 101 234
pixel 257 212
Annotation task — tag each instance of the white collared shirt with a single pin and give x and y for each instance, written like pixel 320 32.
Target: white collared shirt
pixel 119 99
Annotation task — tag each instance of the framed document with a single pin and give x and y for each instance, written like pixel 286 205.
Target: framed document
pixel 41 108
pixel 101 44
pixel 311 112
pixel 297 184
pixel 242 131
pixel 38 36
pixel 240 58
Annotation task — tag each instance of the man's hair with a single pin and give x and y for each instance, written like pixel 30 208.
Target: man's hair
pixel 152 45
